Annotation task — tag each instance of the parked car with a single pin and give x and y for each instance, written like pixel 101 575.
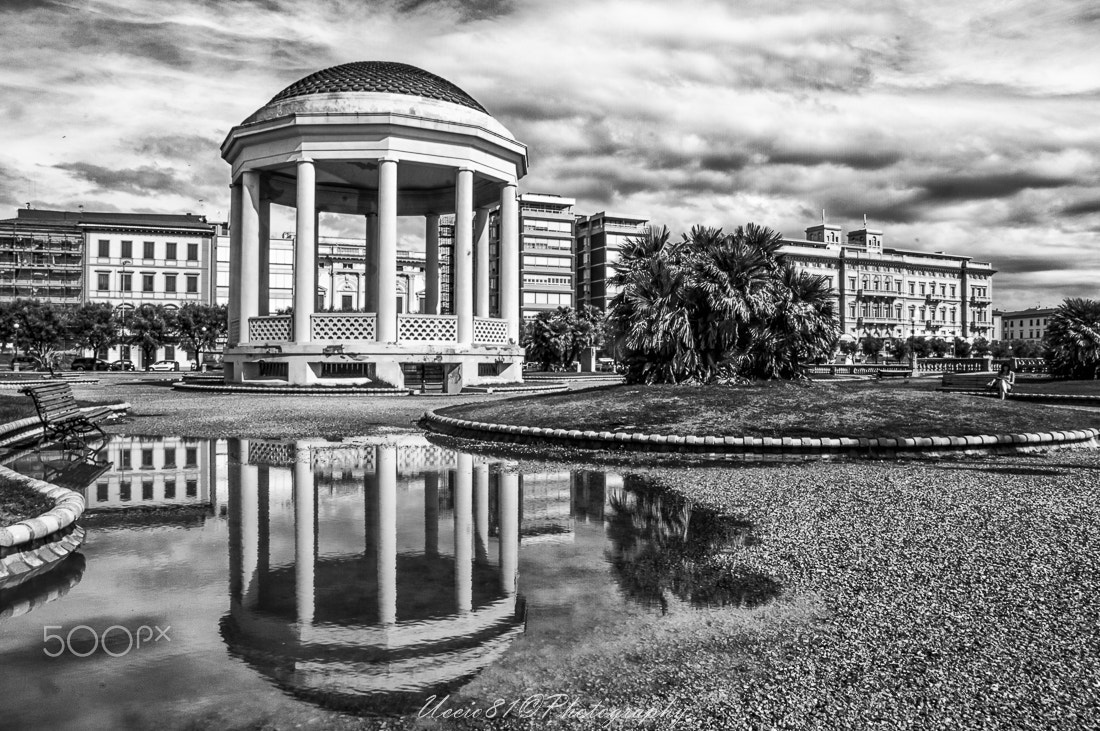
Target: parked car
pixel 25 363
pixel 163 365
pixel 123 365
pixel 209 363
pixel 90 364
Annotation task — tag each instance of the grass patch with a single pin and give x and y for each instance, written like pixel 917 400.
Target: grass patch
pixel 853 409
pixel 19 502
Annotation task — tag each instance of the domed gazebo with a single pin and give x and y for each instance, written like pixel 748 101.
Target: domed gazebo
pixel 379 140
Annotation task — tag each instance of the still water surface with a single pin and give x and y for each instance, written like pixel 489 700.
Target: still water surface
pixel 228 580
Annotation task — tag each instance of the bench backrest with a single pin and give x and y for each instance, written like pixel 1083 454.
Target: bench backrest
pixel 54 402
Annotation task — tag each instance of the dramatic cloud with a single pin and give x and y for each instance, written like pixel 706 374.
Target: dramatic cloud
pixel 968 128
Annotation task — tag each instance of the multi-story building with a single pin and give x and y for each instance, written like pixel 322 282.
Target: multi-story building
pixel 42 257
pixel 1030 324
pixel 599 239
pixel 342 279
pixel 546 254
pixel 896 293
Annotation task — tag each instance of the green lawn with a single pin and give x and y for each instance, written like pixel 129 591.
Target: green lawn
pixel 834 409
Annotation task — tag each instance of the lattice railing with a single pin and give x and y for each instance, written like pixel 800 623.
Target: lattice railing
pixel 490 330
pixel 272 453
pixel 427 327
pixel 343 326
pixel 272 328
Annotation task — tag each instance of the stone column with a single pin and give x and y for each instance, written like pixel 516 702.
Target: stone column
pixel 236 195
pixel 385 467
pixel 509 260
pixel 508 519
pixel 464 538
pixel 386 329
pixel 481 512
pixel 481 265
pixel 305 251
pixel 305 537
pixel 370 275
pixel 264 284
pixel 431 513
pixel 431 262
pixel 250 530
pixel 250 251
pixel 463 282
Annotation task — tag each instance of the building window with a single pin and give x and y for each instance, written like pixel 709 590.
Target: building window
pixel 169 352
pixel 170 251
pixel 911 288
pixel 146 282
pixel 192 488
pixel 192 457
pixel 851 282
pixel 103 281
pixel 104 248
pixel 923 289
pixel 148 250
pixel 952 290
pixel 126 282
pixel 124 492
pixel 127 249
pixel 192 252
pixel 124 459
pixel 192 283
pixel 170 283
pixel 170 488
pixel 147 458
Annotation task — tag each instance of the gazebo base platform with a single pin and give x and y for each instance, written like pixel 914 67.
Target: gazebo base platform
pixel 420 366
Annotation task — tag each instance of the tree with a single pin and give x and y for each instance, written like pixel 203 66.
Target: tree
pixel 962 348
pixel 542 340
pixel 40 330
pixel 870 346
pixel 716 305
pixel 151 327
pixel 900 348
pixel 200 327
pixel 558 337
pixel 1073 339
pixel 93 326
pixel 980 347
pixel 939 347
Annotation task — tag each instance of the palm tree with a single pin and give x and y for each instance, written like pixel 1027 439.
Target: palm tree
pixel 1073 339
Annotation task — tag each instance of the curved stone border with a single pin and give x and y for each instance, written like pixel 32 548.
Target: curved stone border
pixel 763 448
pixel 1054 398
pixel 292 390
pixel 33 546
pixel 547 387
pixel 16 385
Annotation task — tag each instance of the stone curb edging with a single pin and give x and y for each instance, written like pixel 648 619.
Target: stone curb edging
pixel 68 506
pixel 28 605
pixel 16 385
pixel 1043 397
pixel 762 447
pixel 29 563
pixel 291 391
pixel 542 388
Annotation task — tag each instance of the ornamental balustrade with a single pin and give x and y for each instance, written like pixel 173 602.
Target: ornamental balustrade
pixel 271 328
pixel 421 328
pixel 342 326
pixel 490 330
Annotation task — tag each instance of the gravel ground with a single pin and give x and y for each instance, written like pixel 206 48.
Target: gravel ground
pixel 949 594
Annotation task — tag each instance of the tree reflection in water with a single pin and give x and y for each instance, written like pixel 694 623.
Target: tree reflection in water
pixel 664 549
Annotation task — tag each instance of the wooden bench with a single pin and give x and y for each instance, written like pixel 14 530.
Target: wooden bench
pixel 884 373
pixel 967 381
pixel 60 414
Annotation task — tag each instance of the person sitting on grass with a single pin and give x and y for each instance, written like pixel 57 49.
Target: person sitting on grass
pixel 1004 381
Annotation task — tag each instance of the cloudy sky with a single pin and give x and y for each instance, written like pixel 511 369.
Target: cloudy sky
pixel 967 127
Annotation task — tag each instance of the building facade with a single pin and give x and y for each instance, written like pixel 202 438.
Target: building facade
pixel 599 238
pixel 547 264
pixel 896 293
pixel 1030 324
pixel 42 257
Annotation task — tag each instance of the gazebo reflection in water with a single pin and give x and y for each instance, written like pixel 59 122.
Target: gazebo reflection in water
pixel 400 580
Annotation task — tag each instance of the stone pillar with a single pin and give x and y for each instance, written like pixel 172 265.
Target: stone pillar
pixel 264 284
pixel 250 530
pixel 305 251
pixel 370 274
pixel 509 260
pixel 431 513
pixel 250 251
pixel 386 279
pixel 463 282
pixel 385 467
pixel 305 537
pixel 431 264
pixel 464 537
pixel 236 195
pixel 508 519
pixel 481 512
pixel 481 265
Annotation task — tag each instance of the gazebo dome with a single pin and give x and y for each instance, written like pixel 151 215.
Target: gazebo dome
pixel 379 76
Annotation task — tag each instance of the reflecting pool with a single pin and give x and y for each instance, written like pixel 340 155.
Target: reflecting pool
pixel 227 580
